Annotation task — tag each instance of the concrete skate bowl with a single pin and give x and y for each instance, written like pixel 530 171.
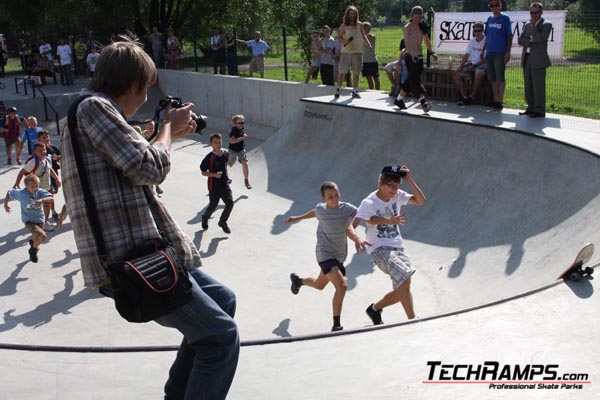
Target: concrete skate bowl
pixel 506 212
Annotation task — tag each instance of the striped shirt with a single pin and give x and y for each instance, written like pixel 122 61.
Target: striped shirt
pixel 120 164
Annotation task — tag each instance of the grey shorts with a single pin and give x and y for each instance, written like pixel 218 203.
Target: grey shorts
pixel 481 68
pixel 235 155
pixel 496 67
pixel 394 262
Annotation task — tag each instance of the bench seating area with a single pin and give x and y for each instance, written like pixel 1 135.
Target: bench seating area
pixel 439 83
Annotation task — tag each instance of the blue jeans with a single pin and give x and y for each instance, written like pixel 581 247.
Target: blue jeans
pixel 207 358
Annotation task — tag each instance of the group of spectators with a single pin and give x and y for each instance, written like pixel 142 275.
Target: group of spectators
pixel 487 54
pixel 73 56
pixel 164 50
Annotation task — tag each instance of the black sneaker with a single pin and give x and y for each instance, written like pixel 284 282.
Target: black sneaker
pixel 374 315
pixel 336 328
pixel 461 102
pixel 337 94
pixel 468 100
pixel 426 106
pixel 355 94
pixel 33 254
pixel 54 217
pixel 296 283
pixel 400 104
pixel 204 223
pixel 498 106
pixel 225 228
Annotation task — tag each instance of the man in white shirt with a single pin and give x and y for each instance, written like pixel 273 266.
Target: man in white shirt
pixel 64 53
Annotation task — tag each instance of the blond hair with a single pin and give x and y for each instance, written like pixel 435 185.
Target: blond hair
pixel 236 118
pixel 31 178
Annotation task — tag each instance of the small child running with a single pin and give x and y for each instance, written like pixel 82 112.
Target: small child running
pixel 332 247
pixel 237 146
pixel 32 214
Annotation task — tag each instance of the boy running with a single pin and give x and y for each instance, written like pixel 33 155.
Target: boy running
pixel 214 166
pixel 381 213
pixel 332 247
pixel 32 215
pixel 39 164
pixel 237 146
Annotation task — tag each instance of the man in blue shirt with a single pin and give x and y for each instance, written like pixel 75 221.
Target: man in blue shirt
pixel 259 50
pixel 498 33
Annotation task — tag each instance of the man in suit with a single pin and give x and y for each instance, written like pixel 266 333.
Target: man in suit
pixel 535 60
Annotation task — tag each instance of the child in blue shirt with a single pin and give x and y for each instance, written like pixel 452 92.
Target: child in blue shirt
pixel 32 213
pixel 30 136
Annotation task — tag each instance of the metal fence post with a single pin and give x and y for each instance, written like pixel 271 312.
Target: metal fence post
pixel 285 63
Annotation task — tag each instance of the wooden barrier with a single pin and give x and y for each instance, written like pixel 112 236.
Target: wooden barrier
pixel 439 83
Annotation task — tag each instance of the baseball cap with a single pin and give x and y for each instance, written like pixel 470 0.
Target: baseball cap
pixel 12 109
pixel 393 170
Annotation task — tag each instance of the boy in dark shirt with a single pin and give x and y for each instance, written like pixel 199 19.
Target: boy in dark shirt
pixel 214 166
pixel 237 146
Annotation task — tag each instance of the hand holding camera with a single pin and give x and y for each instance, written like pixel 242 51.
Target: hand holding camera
pixel 181 119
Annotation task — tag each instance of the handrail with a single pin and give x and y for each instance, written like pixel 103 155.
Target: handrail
pixel 47 103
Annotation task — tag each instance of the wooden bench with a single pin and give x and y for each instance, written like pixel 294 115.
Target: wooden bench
pixel 439 83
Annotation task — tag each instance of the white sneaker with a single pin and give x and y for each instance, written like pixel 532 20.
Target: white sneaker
pixel 48 227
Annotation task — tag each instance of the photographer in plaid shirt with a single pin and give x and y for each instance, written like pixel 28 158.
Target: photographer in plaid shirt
pixel 123 168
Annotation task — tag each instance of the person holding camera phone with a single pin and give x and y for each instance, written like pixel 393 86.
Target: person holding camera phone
pixel 352 35
pixel 381 213
pixel 124 167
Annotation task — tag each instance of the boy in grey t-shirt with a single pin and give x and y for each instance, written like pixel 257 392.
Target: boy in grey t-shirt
pixel 332 247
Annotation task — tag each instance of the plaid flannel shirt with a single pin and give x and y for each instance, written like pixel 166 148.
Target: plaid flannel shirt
pixel 120 164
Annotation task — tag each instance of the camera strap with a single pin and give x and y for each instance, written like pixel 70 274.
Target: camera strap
pixel 90 202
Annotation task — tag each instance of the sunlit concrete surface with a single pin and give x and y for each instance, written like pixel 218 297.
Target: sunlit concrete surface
pixel 511 201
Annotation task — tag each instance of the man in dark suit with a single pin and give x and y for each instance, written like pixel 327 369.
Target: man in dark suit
pixel 535 60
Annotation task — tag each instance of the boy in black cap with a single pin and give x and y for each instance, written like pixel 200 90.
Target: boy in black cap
pixel 381 213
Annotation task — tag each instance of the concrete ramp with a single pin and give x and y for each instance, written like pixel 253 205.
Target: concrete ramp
pixel 507 211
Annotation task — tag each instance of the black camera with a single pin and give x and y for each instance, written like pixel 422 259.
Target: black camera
pixel 175 102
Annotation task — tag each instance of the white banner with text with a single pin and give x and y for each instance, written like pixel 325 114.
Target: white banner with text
pixel 452 31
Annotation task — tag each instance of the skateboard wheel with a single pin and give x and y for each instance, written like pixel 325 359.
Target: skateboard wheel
pixel 574 276
pixel 589 270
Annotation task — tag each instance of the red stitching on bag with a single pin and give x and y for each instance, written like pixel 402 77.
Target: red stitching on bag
pixel 148 283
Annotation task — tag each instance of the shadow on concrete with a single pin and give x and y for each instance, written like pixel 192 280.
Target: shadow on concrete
pixel 61 303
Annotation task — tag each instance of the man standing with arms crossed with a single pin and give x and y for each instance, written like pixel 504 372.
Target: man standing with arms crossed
pixel 535 60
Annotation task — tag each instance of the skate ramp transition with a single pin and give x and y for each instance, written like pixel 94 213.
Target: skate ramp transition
pixel 506 211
